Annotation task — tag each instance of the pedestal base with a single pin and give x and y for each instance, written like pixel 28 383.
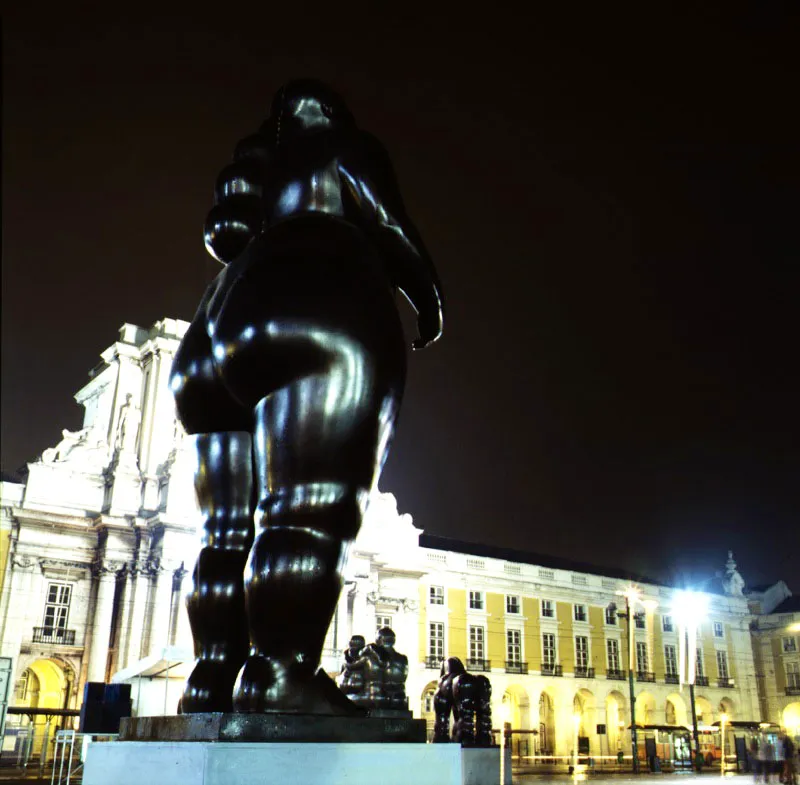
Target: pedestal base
pixel 245 763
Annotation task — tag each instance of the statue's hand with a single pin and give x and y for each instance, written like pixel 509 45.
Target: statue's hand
pixel 429 331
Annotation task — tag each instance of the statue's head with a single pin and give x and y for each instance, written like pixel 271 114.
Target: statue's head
pixel 453 666
pixel 304 107
pixel 357 642
pixel 386 637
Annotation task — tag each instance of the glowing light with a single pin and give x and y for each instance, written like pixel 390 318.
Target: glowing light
pixel 690 607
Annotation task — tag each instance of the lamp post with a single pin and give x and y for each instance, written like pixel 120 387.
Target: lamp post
pixel 723 719
pixel 632 596
pixel 689 608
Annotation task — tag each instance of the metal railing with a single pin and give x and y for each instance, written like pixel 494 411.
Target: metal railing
pixel 584 672
pixel 54 635
pixel 701 681
pixel 645 676
pixel 552 670
pixel 434 662
pixel 615 674
pixel 516 666
pixel 479 665
pixel 724 681
pixel 793 689
pixel 671 678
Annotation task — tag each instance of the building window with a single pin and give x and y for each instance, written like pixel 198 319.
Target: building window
pixel 642 660
pixel 56 609
pixel 699 669
pixel 381 622
pixel 719 631
pixel 666 624
pixel 427 702
pixel 476 643
pixel 641 623
pixel 611 615
pixel 671 660
pixel 793 675
pixel 437 595
pixel 436 640
pixel 548 650
pixel 579 613
pixel 612 649
pixel 581 651
pixel 722 664
pixel 790 645
pixel 476 601
pixel 512 603
pixel 514 645
pixel 548 609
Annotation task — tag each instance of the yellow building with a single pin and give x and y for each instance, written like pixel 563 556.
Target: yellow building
pixel 776 649
pixel 549 636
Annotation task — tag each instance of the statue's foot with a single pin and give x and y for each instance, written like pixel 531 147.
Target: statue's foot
pixel 208 688
pixel 268 685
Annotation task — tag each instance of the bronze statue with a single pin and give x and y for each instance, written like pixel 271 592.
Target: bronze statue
pixel 351 676
pixel 289 381
pixel 468 697
pixel 374 675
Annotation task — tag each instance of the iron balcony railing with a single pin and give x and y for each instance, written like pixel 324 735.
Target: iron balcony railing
pixel 583 672
pixel 725 682
pixel 672 678
pixel 615 674
pixel 515 666
pixel 433 662
pixel 793 689
pixel 645 676
pixel 479 665
pixel 54 635
pixel 701 681
pixel 552 670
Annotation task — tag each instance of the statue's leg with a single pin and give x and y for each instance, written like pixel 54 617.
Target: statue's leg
pixel 315 473
pixel 224 486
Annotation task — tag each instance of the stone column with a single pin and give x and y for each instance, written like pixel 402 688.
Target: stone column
pixel 101 622
pixel 139 585
pixel 160 620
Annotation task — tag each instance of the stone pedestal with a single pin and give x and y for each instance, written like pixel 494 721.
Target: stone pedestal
pixel 282 763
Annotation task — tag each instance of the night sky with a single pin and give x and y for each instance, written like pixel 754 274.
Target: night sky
pixel 611 204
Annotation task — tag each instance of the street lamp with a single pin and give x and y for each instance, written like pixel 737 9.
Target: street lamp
pixel 632 596
pixel 689 608
pixel 576 722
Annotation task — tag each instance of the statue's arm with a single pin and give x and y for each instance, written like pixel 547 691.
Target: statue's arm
pixel 371 183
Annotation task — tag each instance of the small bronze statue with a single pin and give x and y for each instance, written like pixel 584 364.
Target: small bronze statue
pixel 468 697
pixel 289 382
pixel 374 676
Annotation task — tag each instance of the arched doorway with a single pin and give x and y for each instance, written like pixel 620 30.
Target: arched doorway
pixel 616 720
pixel 426 709
pixel 645 709
pixel 44 684
pixel 705 712
pixel 675 712
pixel 516 708
pixel 790 719
pixel 547 724
pixel 726 706
pixel 583 712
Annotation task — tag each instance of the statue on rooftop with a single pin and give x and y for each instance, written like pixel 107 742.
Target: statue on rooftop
pixel 289 382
